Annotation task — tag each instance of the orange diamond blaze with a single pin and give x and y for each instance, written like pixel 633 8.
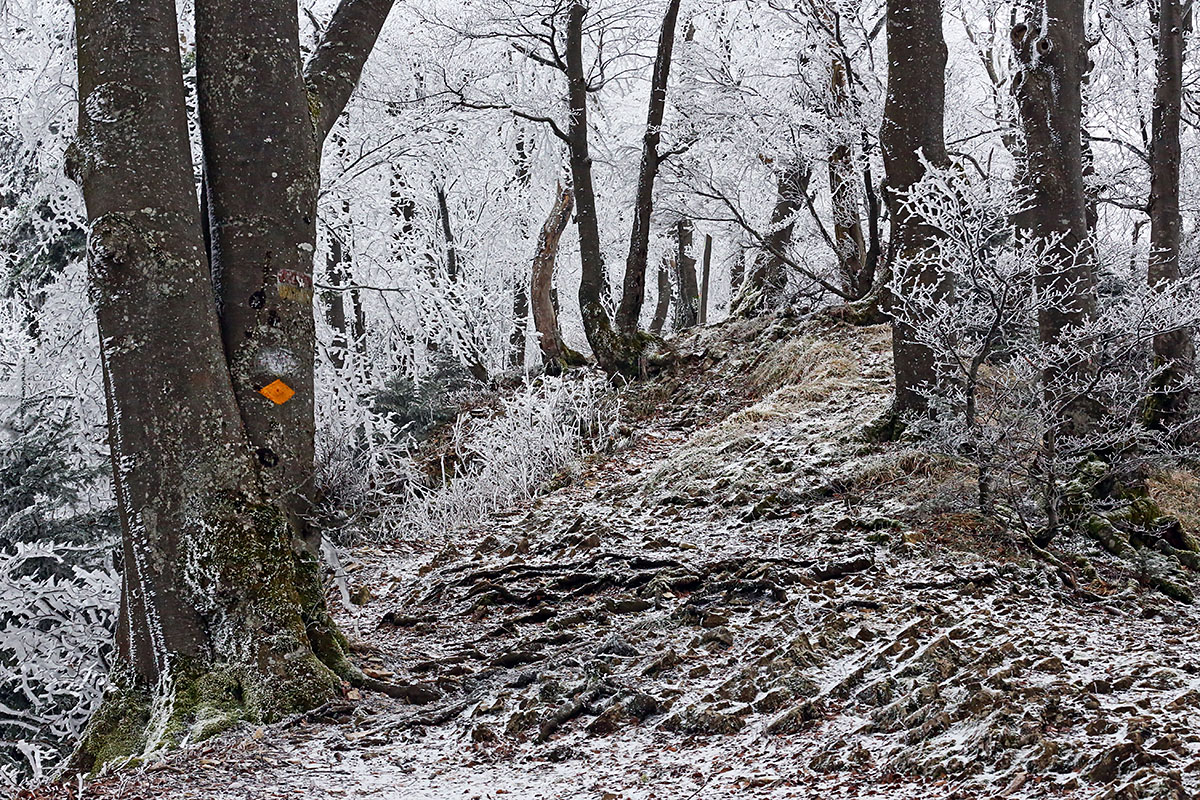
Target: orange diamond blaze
pixel 277 392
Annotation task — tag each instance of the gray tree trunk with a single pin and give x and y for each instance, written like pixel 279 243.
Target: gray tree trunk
pixel 210 618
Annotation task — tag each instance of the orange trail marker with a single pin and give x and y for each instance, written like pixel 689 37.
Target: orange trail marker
pixel 277 392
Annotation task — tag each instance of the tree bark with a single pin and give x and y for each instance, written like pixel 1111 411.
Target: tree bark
pixel 687 310
pixel 263 124
pixel 1050 106
pixel 210 619
pixel 545 315
pixel 634 290
pixel 912 128
pixel 596 323
pixel 1173 352
pixel 848 238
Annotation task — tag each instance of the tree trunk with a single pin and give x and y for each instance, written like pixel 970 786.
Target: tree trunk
pixel 210 627
pixel 706 273
pixel 665 267
pixel 687 310
pixel 596 323
pixel 1172 351
pixel 545 315
pixel 630 310
pixel 1049 107
pixel 262 126
pixel 764 288
pixel 848 238
pixel 335 301
pixel 912 128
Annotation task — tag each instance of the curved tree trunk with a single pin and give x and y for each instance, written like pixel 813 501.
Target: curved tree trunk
pixel 848 238
pixel 210 624
pixel 912 129
pixel 545 316
pixel 1173 351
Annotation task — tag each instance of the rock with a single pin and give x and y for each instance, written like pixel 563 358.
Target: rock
pixel 721 636
pixel 714 619
pixel 616 646
pixel 840 568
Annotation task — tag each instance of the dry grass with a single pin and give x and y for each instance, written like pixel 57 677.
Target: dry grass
pixel 1177 492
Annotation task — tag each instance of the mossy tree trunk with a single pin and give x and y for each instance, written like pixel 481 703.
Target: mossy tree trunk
pixel 210 628
pixel 264 117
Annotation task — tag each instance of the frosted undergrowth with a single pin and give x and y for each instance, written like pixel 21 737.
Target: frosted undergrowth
pixel 488 463
pixel 56 621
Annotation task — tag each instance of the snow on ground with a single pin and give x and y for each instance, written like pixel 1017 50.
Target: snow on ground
pixel 742 600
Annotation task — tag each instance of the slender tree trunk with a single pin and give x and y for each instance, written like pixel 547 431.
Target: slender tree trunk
pixel 687 310
pixel 848 236
pixel 210 622
pixel 1049 106
pixel 912 129
pixel 448 239
pixel 335 301
pixel 706 274
pixel 665 267
pixel 596 323
pixel 1173 351
pixel 764 288
pixel 545 315
pixel 630 310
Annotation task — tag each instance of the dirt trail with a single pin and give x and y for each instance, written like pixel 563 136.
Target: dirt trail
pixel 742 600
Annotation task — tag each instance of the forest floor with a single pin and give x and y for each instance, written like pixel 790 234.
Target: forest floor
pixel 742 599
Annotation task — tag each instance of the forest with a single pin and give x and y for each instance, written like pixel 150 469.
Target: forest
pixel 614 399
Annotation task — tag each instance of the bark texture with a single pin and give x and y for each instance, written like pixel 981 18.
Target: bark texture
pixel 912 129
pixel 663 305
pixel 764 288
pixel 687 309
pixel 1174 351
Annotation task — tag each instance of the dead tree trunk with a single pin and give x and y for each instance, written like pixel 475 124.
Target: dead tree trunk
pixel 705 275
pixel 912 130
pixel 210 627
pixel 630 310
pixel 1174 351
pixel 545 315
pixel 1049 107
pixel 687 310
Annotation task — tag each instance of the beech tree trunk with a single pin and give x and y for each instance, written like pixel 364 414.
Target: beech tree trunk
pixel 596 323
pixel 687 310
pixel 1173 351
pixel 263 123
pixel 912 128
pixel 1049 106
pixel 634 291
pixel 545 315
pixel 848 236
pixel 210 620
